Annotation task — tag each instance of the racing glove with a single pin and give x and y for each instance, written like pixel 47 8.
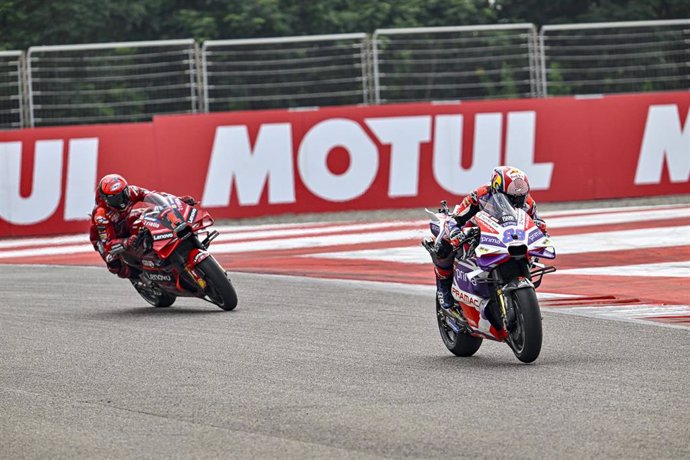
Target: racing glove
pixel 455 237
pixel 541 225
pixel 134 242
pixel 131 243
pixel 189 200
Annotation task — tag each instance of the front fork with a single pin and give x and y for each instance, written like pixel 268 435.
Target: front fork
pixel 186 257
pixel 505 304
pixel 505 301
pixel 196 255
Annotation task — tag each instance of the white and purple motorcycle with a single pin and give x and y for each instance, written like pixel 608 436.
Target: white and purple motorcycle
pixel 494 283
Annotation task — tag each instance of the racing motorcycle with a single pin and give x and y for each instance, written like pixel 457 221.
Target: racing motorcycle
pixel 171 256
pixel 496 271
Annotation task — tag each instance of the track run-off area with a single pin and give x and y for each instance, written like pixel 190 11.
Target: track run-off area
pixel 629 263
pixel 334 352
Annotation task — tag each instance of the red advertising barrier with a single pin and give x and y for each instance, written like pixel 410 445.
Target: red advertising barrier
pixel 244 164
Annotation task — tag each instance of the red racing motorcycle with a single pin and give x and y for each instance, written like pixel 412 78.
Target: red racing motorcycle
pixel 171 256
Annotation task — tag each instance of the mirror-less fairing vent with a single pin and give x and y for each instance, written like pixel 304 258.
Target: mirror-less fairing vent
pixel 183 231
pixel 517 251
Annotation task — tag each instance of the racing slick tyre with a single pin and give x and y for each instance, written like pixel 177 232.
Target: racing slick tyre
pixel 459 343
pixel 220 289
pixel 158 299
pixel 525 336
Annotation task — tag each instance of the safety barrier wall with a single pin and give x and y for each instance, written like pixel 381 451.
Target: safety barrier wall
pixel 11 89
pixel 615 57
pixel 247 164
pixel 111 82
pixel 271 73
pixel 446 63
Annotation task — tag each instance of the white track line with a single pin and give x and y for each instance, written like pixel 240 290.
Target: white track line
pixel 618 218
pixel 289 238
pixel 669 269
pixel 232 233
pixel 568 212
pixel 639 314
pixel 568 244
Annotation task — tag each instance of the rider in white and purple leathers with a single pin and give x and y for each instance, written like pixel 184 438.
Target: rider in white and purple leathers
pixel 504 179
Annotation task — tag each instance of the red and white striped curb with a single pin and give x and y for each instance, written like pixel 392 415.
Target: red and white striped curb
pixel 636 255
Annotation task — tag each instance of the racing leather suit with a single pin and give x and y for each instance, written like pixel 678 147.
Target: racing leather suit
pixel 109 231
pixel 463 213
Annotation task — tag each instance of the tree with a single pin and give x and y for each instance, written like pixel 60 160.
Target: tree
pixel 542 12
pixel 25 23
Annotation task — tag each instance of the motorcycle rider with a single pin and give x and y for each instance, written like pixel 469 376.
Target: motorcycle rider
pixel 511 182
pixel 109 233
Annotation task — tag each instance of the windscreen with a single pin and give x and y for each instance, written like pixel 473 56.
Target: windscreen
pixel 498 206
pixel 163 207
pixel 157 199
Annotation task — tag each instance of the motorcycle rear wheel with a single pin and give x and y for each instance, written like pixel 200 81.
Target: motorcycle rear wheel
pixel 526 334
pixel 220 289
pixel 458 343
pixel 162 300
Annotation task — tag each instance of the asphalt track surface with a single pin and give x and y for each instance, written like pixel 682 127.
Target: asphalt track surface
pixel 307 368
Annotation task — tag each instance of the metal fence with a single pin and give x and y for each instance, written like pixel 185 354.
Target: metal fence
pixel 615 57
pixel 11 89
pixel 473 62
pixel 285 72
pixel 133 81
pixel 111 82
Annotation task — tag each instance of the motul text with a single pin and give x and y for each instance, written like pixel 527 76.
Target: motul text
pixel 270 162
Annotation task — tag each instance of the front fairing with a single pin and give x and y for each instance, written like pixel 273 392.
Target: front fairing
pixel 157 212
pixel 507 232
pixel 169 220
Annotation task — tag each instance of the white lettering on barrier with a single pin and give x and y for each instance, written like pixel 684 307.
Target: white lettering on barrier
pixel 664 141
pixel 520 136
pixel 271 159
pixel 232 158
pixel 404 134
pixel 486 154
pixel 313 153
pixel 46 185
pixel 81 178
pixel 268 164
pixel 448 171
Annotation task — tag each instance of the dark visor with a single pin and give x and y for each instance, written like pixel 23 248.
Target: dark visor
pixel 117 201
pixel 517 200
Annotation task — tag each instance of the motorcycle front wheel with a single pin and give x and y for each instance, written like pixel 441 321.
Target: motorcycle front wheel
pixel 459 343
pixel 526 334
pixel 220 289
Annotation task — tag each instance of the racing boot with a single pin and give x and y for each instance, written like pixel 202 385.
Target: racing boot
pixel 445 298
